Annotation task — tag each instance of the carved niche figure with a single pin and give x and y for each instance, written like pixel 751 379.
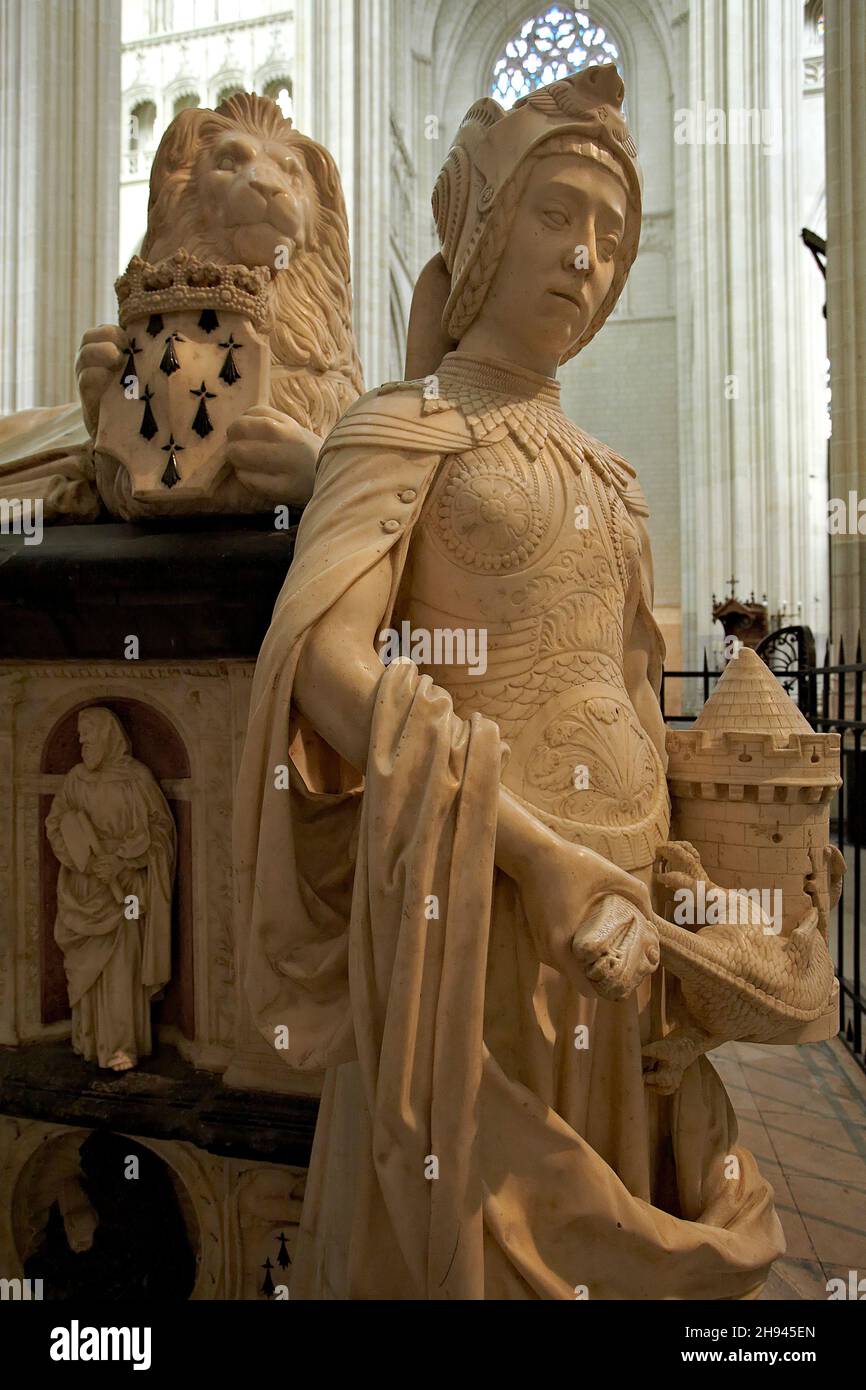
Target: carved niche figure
pixel 235 328
pixel 450 906
pixel 112 830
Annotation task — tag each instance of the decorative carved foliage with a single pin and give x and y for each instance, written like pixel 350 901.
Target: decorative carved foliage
pixel 603 736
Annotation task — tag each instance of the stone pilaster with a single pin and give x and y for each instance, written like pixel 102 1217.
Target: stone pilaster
pixel 746 442
pixel 845 126
pixel 59 189
pixel 342 99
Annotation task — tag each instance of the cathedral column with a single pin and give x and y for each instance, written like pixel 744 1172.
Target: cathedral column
pixel 845 127
pixel 342 99
pixel 59 189
pixel 744 402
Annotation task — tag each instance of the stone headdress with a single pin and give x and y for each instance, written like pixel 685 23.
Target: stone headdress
pixel 479 187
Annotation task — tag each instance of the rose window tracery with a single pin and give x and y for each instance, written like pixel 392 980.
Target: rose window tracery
pixel 555 43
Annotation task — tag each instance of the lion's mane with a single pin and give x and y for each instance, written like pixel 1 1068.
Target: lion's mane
pixel 316 374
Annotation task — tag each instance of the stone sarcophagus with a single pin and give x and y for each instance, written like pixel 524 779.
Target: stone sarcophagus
pixel 220 1172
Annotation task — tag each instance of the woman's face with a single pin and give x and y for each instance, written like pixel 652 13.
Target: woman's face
pixel 558 264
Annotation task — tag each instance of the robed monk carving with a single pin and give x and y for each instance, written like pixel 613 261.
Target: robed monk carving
pixel 454 906
pixel 112 830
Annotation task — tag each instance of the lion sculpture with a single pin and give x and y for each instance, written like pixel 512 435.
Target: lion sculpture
pixel 237 186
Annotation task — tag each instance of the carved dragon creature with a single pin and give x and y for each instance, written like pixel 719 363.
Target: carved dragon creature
pixel 739 981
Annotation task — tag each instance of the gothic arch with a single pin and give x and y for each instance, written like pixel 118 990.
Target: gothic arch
pixel 225 84
pixel 155 740
pixel 464 43
pixel 201 1206
pixel 176 91
pixel 813 14
pixel 597 12
pixel 274 70
pixel 135 96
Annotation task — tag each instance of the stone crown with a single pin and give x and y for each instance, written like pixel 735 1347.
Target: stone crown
pixel 183 282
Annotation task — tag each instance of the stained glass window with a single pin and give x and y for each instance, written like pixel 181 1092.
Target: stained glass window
pixel 555 43
pixel 814 15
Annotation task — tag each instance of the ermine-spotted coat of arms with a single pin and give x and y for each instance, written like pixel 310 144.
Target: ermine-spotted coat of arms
pixel 198 357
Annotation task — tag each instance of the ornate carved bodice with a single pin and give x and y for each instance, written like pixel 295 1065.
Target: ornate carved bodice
pixel 525 544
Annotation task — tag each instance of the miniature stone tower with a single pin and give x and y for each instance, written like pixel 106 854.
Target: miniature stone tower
pixel 751 785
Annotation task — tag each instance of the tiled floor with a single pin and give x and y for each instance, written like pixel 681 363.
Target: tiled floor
pixel 802 1112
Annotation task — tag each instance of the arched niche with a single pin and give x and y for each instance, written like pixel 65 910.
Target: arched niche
pixel 75 1228
pixel 281 90
pixel 156 743
pixel 185 101
pixel 155 740
pixel 229 89
pixel 142 121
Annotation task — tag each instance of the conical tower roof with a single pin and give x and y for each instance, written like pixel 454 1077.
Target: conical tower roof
pixel 749 699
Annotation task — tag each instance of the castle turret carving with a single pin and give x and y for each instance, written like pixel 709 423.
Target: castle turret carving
pixel 751 784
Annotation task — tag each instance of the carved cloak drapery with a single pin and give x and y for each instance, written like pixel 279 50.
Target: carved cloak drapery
pixel 114 964
pixel 444 1037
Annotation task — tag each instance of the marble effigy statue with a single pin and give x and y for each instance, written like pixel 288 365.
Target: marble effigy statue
pixel 112 830
pixel 234 352
pixel 452 819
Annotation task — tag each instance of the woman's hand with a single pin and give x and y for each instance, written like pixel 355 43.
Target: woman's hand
pixel 589 919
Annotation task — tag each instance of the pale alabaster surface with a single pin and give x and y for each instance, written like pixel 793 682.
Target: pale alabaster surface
pixel 453 864
pixel 246 240
pixel 113 833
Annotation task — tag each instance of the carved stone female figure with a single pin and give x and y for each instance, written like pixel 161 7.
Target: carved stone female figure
pixel 113 833
pixel 450 906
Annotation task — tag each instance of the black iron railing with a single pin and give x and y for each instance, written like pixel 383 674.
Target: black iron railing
pixel 830 696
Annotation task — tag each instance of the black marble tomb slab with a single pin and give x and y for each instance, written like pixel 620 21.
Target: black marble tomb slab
pixel 190 590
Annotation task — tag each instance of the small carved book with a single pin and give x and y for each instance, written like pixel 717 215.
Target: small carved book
pixel 81 840
pixel 79 837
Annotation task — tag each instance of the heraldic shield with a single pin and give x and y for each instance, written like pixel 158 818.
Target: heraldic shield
pixel 197 358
